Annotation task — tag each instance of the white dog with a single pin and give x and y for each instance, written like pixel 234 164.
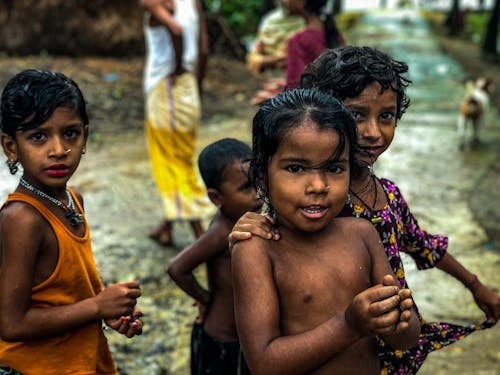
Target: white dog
pixel 473 109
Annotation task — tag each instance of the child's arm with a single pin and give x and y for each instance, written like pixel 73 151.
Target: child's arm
pixel 406 329
pixel 21 238
pixel 421 241
pixel 202 48
pixel 210 244
pixel 257 312
pixel 160 12
pixel 487 299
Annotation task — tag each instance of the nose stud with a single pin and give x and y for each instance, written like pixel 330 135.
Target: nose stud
pixel 327 188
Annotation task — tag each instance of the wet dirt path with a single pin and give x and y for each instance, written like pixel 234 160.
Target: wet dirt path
pixel 436 179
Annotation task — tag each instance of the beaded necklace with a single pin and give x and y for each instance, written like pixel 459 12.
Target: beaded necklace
pixel 71 214
pixel 374 219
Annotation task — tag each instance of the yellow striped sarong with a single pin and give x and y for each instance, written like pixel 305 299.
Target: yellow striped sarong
pixel 173 112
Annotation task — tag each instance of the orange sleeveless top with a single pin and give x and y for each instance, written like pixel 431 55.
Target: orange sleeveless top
pixel 83 350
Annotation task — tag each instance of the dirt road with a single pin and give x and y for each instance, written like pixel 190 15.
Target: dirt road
pixel 122 204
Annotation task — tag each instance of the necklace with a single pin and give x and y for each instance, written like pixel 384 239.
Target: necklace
pixel 374 219
pixel 74 217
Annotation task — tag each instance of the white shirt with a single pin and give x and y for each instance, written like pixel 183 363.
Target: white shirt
pixel 160 53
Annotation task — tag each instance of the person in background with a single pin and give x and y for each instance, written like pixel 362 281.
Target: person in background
pixel 304 46
pixel 177 49
pixel 214 341
pixel 268 52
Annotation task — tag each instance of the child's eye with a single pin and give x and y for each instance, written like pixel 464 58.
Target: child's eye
pixel 71 133
pixel 294 168
pixel 334 169
pixel 388 116
pixel 37 137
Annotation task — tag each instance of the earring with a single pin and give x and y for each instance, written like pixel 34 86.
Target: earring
pixel 348 200
pixel 84 150
pixel 12 164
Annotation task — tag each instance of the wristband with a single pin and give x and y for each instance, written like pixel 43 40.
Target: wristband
pixel 472 282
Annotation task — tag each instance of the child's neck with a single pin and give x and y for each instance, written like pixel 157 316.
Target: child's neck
pixel 298 237
pixel 313 21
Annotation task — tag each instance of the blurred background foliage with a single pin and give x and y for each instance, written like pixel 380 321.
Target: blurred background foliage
pixel 114 27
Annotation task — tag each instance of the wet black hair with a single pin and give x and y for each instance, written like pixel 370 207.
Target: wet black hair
pixel 346 71
pixel 215 157
pixel 32 96
pixel 318 7
pixel 289 110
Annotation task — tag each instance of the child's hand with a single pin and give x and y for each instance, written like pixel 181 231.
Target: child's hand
pixel 375 311
pixel 129 325
pixel 202 312
pixel 487 300
pixel 252 223
pixel 118 299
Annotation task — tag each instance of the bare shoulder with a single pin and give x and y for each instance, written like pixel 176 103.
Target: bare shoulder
pixel 21 215
pixel 253 248
pixel 355 224
pixel 354 227
pixel 22 228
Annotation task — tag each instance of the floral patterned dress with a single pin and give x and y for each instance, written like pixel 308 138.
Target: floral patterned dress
pixel 399 232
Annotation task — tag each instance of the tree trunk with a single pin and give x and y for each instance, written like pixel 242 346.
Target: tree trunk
pixel 490 39
pixel 337 7
pixel 453 19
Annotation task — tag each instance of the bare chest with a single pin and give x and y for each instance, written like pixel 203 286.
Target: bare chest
pixel 314 287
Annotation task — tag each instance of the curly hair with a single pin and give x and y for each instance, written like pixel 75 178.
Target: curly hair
pixel 346 71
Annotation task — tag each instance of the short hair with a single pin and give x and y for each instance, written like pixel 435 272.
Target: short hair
pixel 289 110
pixel 31 97
pixel 346 71
pixel 215 157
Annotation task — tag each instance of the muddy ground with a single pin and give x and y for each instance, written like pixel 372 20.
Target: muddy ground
pixel 115 180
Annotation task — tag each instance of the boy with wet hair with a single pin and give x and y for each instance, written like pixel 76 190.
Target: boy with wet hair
pixel 214 340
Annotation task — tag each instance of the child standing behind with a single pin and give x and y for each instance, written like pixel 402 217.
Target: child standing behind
pixel 304 46
pixel 52 302
pixel 214 340
pixel 314 300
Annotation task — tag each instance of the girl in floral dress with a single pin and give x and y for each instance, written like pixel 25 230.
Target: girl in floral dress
pixel 372 86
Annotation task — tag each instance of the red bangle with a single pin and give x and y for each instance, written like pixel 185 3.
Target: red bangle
pixel 473 282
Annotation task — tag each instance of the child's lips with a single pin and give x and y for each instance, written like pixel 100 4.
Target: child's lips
pixel 58 170
pixel 314 211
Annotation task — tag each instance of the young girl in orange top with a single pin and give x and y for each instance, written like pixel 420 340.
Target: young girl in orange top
pixel 52 302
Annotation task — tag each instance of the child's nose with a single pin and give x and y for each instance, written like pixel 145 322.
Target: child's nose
pixel 58 148
pixel 370 129
pixel 318 183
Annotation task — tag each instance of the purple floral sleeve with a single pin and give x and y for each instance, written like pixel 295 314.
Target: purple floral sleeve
pixel 426 249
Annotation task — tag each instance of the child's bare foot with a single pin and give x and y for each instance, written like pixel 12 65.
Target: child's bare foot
pixel 162 234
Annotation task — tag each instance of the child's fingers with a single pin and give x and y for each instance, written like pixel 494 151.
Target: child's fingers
pixel 387 322
pixel 406 304
pixel 388 280
pixel 134 329
pixel 236 236
pixel 405 316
